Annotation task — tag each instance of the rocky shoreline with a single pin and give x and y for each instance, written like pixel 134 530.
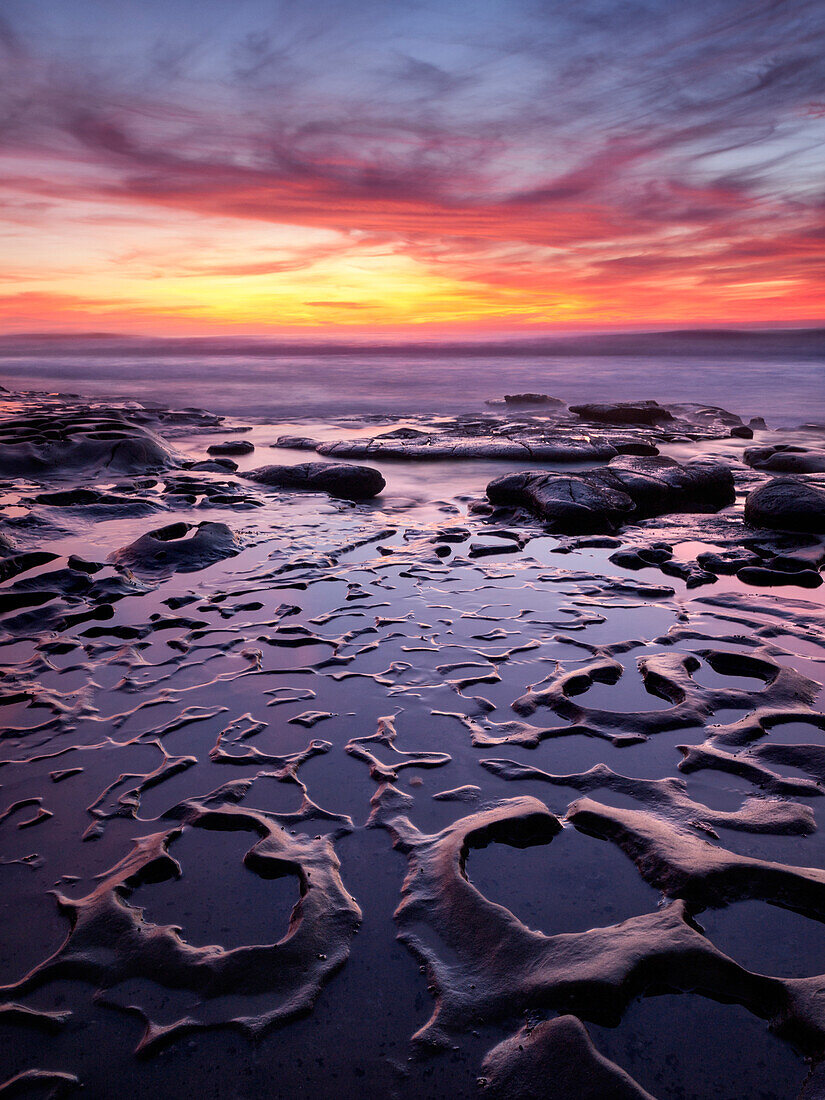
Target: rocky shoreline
pixel 467 608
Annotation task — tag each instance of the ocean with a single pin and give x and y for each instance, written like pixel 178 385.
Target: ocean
pixel 787 391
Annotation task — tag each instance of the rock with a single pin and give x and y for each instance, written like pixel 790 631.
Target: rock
pixel 741 431
pixel 786 504
pixel 765 576
pixel 636 447
pixel 486 550
pixel 628 559
pixel 231 447
pixel 786 458
pixel 179 548
pixel 692 574
pixel 524 448
pixel 626 490
pixel 96 502
pixel 214 466
pixel 555 1060
pixel 403 433
pixel 726 563
pixel 452 534
pixel 803 557
pixel 339 479
pixel 16 564
pixel 757 423
pixel 624 412
pixel 61 442
pixel 574 505
pixel 531 399
pixel 295 442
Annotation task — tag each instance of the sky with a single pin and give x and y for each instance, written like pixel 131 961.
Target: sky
pixel 396 168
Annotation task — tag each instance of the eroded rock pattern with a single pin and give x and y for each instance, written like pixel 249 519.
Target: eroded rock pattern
pixel 558 796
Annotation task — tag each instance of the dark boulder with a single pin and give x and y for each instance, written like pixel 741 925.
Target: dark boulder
pixel 659 486
pixel 786 504
pixel 727 563
pixel 231 447
pixel 295 442
pixel 765 577
pixel 573 504
pixel 741 431
pixel 339 479
pixel 628 489
pixel 179 548
pixel 785 458
pixel 623 412
pixel 214 466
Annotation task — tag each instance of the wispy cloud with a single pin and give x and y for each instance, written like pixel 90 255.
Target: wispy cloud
pixel 613 152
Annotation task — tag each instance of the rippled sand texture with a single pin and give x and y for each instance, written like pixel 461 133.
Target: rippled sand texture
pixel 330 814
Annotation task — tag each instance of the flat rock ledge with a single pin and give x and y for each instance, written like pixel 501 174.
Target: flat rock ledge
pixel 628 489
pixel 435 446
pixel 338 479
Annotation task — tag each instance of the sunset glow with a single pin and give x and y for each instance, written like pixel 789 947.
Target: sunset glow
pixel 397 169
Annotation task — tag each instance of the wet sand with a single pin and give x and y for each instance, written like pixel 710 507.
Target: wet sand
pixel 380 798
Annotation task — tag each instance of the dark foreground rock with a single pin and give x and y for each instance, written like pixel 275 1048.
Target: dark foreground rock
pixel 624 412
pixel 62 442
pixel 179 548
pixel 339 479
pixel 786 504
pixel 628 489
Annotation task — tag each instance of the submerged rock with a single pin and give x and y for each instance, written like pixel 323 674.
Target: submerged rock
pixel 179 548
pixel 339 479
pixel 786 504
pixel 628 489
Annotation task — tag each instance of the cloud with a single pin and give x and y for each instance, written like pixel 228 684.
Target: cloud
pixel 502 144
